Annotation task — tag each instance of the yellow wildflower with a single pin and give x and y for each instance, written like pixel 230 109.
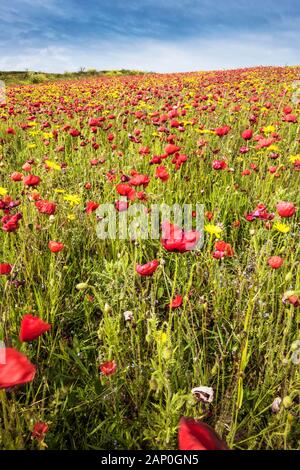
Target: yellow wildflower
pixel 269 129
pixel 213 230
pixel 280 227
pixel 53 165
pixel 73 199
pixel 3 191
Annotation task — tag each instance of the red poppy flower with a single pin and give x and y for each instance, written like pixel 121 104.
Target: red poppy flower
pixel 141 195
pixel 16 176
pixel 162 173
pixel 264 143
pixel 285 209
pixel 139 180
pixel 94 122
pixel 209 215
pixel 290 118
pixel 17 369
pixel 91 207
pixel 275 262
pixel 10 130
pixel 179 160
pixel 222 131
pixel 10 223
pixel 222 250
pixel 260 212
pixel 144 150
pixel 247 134
pixel 39 431
pixel 74 132
pixel 32 327
pixel 147 269
pixel 219 165
pixel 294 300
pixel 5 269
pixel 171 149
pixel 31 180
pixel 46 207
pixel 126 190
pixel 176 302
pixel 55 247
pixel 108 368
pixel 196 435
pixel 175 239
pixel 287 109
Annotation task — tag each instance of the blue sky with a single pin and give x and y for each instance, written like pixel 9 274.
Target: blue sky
pixel 156 35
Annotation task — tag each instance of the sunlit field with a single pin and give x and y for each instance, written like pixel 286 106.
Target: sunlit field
pixel 101 352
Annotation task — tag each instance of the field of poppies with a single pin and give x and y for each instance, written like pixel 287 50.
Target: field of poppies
pixel 108 343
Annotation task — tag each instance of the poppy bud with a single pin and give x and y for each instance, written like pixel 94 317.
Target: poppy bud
pixel 287 402
pixel 82 286
pixel 107 308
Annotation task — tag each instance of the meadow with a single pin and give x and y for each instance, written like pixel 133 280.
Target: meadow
pixel 103 352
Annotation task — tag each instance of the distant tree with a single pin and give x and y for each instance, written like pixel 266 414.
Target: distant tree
pixel 92 71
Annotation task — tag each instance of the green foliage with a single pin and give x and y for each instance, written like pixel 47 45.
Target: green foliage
pixel 233 332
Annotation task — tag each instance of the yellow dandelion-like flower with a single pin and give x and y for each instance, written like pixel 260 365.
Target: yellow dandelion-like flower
pixel 272 148
pixel 31 146
pixel 294 158
pixel 73 199
pixel 53 165
pixel 269 129
pixel 3 191
pixel 59 190
pixel 280 227
pixel 161 337
pixel 48 135
pixel 205 131
pixel 213 230
pixel 71 217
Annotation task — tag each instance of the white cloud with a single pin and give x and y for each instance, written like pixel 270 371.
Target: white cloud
pixel 158 55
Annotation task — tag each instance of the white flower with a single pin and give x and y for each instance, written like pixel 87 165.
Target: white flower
pixel 128 315
pixel 204 394
pixel 276 405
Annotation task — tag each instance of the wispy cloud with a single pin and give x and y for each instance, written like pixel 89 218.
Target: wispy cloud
pixel 162 56
pixel 166 35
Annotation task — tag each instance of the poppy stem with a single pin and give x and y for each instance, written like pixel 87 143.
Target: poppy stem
pixel 4 408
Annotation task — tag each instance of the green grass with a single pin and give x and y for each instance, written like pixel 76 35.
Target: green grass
pixel 32 77
pixel 232 333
